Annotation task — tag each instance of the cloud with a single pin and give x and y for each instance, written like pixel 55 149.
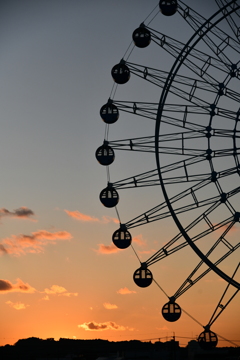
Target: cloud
pixel 164 328
pixel 2 249
pixel 110 306
pixel 77 215
pixel 142 243
pixel 20 286
pixel 107 249
pixel 139 240
pixel 125 291
pixel 146 251
pixel 81 217
pixel 58 290
pixel 22 213
pixel 233 229
pixel 6 286
pixel 69 294
pixel 22 244
pixel 109 325
pixel 17 305
pixel 55 289
pixel 108 219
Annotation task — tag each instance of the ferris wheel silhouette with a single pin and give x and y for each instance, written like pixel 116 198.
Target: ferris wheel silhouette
pixel 196 147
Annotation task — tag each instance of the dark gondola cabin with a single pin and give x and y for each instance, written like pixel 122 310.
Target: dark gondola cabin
pixel 121 73
pixel 168 7
pixel 171 311
pixel 109 196
pixel 141 37
pixel 122 238
pixel 109 113
pixel 105 155
pixel 142 277
pixel 207 340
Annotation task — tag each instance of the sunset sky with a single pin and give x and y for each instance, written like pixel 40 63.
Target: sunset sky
pixel 61 275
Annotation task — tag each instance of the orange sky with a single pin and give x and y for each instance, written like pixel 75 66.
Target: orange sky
pixel 66 297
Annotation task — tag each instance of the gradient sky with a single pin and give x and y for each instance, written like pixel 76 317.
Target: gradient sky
pixel 60 274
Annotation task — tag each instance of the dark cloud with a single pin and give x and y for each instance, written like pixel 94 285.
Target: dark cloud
pixel 5 285
pixel 3 250
pixel 94 326
pixel 109 325
pixel 34 243
pixel 107 249
pixel 22 212
pixel 20 286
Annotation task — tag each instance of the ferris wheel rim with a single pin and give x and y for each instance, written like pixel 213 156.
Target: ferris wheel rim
pixel 174 70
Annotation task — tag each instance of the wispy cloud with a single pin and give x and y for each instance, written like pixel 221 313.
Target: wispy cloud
pixel 77 215
pixel 81 217
pixel 34 243
pixel 6 286
pixel 17 305
pixel 3 250
pixel 58 290
pixel 109 306
pixel 107 249
pixel 164 328
pixel 108 219
pixel 139 240
pixel 20 213
pixel 109 325
pixel 146 251
pixel 125 291
pixel 233 229
pixel 142 243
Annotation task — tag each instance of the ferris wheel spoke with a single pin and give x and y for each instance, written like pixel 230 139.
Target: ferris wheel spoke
pixel 149 178
pixel 212 110
pixel 171 247
pixel 149 111
pixel 194 276
pixel 235 29
pixel 183 87
pixel 159 212
pixel 143 144
pixel 183 122
pixel 222 41
pixel 183 112
pixel 190 281
pixel 147 143
pixel 145 109
pixel 220 307
pixel 199 177
pixel 197 61
pixel 188 126
pixel 227 114
pixel 228 92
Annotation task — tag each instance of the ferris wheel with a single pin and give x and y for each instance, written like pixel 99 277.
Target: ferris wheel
pixel 195 146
